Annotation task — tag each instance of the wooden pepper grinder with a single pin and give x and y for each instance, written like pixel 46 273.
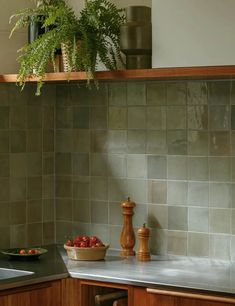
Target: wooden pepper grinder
pixel 127 238
pixel 143 253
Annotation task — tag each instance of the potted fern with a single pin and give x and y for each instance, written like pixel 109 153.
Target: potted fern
pixel 85 39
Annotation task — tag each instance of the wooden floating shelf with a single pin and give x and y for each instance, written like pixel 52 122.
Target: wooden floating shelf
pixel 184 73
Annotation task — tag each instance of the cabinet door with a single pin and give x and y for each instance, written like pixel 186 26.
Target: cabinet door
pixel 46 294
pixel 156 297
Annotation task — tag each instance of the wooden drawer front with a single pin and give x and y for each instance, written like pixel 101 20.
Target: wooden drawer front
pixel 156 297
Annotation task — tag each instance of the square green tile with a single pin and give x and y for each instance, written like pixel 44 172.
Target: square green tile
pixel 177 243
pixel 219 92
pixel 81 188
pixel 18 236
pixel 176 93
pixel 64 141
pixel 48 233
pixel 34 164
pixel 17 189
pixel 117 93
pixel 18 212
pixel 98 117
pixel 158 241
pixel 63 187
pixel 156 118
pixel 4 117
pixel 34 234
pixel 18 164
pixel 156 93
pixel 116 165
pixel 156 142
pixel 220 195
pixel 220 221
pixel 48 116
pixel 34 140
pixel 137 190
pixel 81 164
pixel 4 93
pixel 34 188
pixel 198 168
pixel 198 194
pixel 157 192
pixel 99 141
pixel 49 138
pixel 197 93
pixel 48 210
pixel 220 247
pixel 63 209
pixel 117 141
pixel 198 219
pixel 34 211
pixel 158 216
pixel 177 193
pixel 136 117
pixel 117 117
pixel 220 117
pixel 81 117
pixel 117 189
pixel 4 214
pixel 4 165
pixel 4 189
pixel 178 218
pixel 177 142
pixel 136 93
pixel 18 117
pixel 64 117
pixel 63 163
pixel 176 117
pixel 34 117
pixel 48 187
pixel 81 211
pixel 219 169
pixel 4 141
pixel 136 141
pixel 81 141
pixel 99 164
pixel 136 166
pixel 48 163
pixel 99 188
pixel 99 212
pixel 198 143
pixel 156 167
pixel 177 167
pixel 197 117
pixel 219 143
pixel 198 244
pixel 18 141
pixel 115 213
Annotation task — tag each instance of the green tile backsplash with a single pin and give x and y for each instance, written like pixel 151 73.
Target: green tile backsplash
pixel 69 157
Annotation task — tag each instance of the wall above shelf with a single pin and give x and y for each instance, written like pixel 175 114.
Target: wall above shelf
pixel 178 73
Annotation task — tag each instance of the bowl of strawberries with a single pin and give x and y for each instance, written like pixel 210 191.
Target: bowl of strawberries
pixel 85 248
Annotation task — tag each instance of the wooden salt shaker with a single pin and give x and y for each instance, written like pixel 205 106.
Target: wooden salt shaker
pixel 143 253
pixel 127 238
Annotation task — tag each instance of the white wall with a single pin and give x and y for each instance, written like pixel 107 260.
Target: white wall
pixel 9 47
pixel 193 32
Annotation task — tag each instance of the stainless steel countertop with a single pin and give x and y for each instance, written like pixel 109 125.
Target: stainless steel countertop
pixel 172 271
pixel 47 267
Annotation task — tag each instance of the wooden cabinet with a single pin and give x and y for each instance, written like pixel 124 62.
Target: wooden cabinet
pixel 44 294
pixel 78 292
pixel 161 297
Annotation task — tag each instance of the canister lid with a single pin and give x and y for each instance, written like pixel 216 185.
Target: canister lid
pixel 138 13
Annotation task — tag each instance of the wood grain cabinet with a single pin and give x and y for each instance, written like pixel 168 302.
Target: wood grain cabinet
pixel 160 297
pixel 44 294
